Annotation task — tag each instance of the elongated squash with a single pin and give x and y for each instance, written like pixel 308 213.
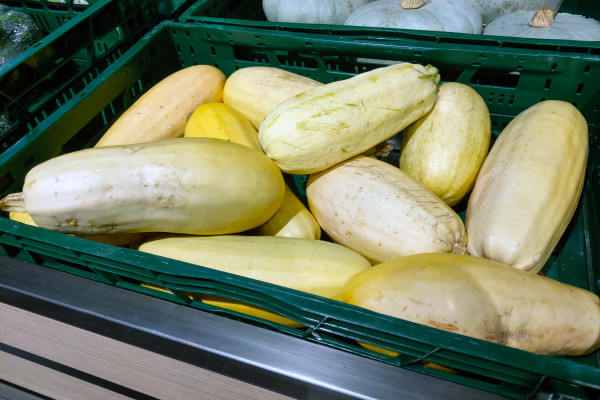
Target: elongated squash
pixel 163 111
pixel 529 186
pixel 220 121
pixel 381 212
pixel 292 219
pixel 256 91
pixel 484 299
pixel 246 308
pixel 119 239
pixel 445 149
pixel 312 266
pixel 234 305
pixel 328 124
pixel 185 185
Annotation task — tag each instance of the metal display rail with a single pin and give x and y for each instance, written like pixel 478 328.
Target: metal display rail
pixel 250 355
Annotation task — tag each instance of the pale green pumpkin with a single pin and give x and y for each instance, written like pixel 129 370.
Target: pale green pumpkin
pixel 431 15
pixel 492 9
pixel 544 25
pixel 311 11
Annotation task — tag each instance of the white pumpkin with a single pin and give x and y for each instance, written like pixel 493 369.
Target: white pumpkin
pixel 430 15
pixel 311 11
pixel 542 25
pixel 492 9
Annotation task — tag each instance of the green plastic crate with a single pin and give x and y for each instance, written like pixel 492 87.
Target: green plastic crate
pixel 171 46
pixel 252 9
pixel 40 80
pixel 53 14
pixel 76 38
pixel 250 13
pixel 49 15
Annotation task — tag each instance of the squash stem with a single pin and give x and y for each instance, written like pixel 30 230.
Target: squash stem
pixel 13 202
pixel 459 248
pixel 412 4
pixel 433 72
pixel 542 19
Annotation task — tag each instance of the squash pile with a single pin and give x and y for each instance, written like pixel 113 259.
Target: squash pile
pixel 201 175
pixel 517 18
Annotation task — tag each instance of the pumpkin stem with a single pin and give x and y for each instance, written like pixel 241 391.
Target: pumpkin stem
pixel 412 4
pixel 13 202
pixel 542 19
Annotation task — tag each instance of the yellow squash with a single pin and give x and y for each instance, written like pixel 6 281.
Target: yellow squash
pixel 445 149
pixel 186 185
pixel 233 305
pixel 122 239
pixel 312 266
pixel 246 308
pixel 483 299
pixel 292 219
pixel 381 212
pixel 529 186
pixel 220 121
pixel 328 124
pixel 255 91
pixel 163 111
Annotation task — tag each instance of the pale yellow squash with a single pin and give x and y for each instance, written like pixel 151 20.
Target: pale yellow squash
pixel 233 305
pixel 292 219
pixel 256 91
pixel 331 123
pixel 246 308
pixel 220 121
pixel 117 239
pixel 444 149
pixel 381 212
pixel 163 111
pixel 312 266
pixel 21 217
pixel 186 185
pixel 529 186
pixel 483 299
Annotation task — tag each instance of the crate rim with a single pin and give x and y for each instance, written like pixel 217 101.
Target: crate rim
pixel 53 36
pixel 461 344
pixel 375 32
